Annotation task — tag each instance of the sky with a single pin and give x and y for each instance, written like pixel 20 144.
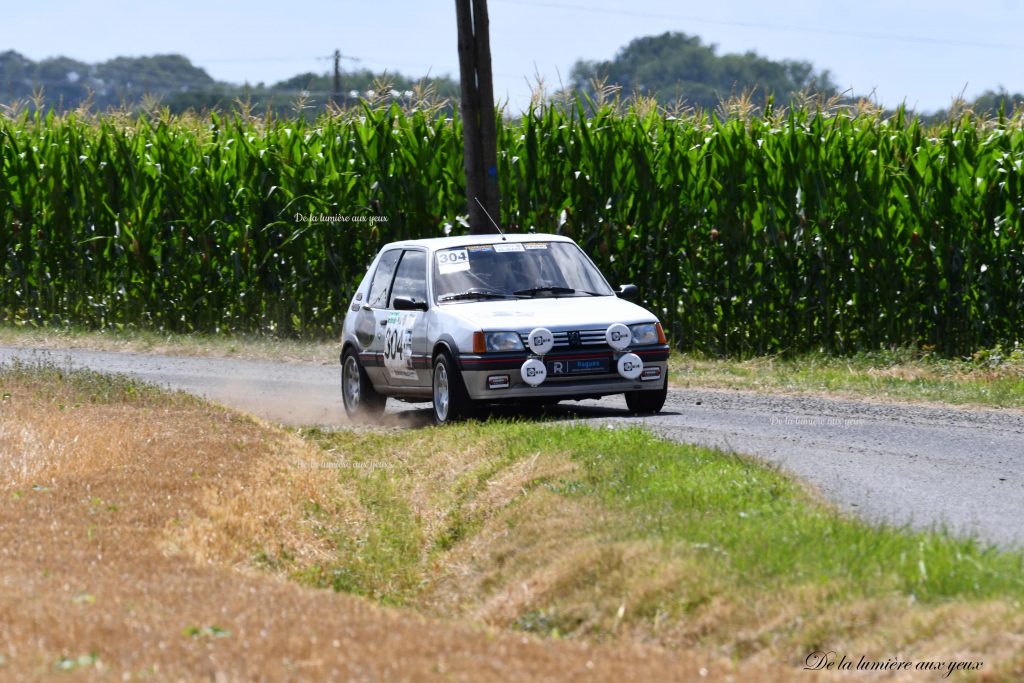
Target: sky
pixel 919 52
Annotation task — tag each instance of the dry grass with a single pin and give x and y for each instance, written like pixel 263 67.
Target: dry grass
pixel 40 450
pixel 147 341
pixel 125 553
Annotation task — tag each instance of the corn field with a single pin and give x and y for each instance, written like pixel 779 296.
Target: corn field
pixel 787 231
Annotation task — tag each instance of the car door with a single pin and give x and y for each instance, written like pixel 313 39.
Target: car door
pixel 373 317
pixel 406 362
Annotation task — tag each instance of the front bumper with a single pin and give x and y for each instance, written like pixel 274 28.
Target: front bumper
pixel 478 369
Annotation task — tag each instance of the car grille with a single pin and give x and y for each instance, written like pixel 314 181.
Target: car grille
pixel 588 339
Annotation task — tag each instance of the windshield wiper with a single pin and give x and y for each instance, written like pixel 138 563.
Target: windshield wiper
pixel 475 294
pixel 534 291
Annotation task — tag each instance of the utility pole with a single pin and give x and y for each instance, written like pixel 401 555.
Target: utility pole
pixel 336 95
pixel 480 146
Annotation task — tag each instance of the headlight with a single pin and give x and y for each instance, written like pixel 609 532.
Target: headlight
pixel 497 342
pixel 644 334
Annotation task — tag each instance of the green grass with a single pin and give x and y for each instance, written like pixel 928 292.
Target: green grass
pixel 382 562
pixel 762 530
pixel 993 377
pixel 615 535
pixel 751 529
pixel 386 559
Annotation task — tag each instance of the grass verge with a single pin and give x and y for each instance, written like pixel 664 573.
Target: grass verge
pixel 562 531
pixel 147 341
pixel 992 378
pixel 37 444
pixel 609 534
pixel 72 387
pixel 110 493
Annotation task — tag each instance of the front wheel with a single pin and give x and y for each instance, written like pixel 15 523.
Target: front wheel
pixel 357 393
pixel 451 400
pixel 647 401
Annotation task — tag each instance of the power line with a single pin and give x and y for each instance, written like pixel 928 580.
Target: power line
pixel 947 42
pixel 374 62
pixel 287 60
pixel 340 56
pixel 430 67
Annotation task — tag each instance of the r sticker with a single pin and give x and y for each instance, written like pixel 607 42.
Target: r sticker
pixel 452 261
pixel 514 246
pixel 536 245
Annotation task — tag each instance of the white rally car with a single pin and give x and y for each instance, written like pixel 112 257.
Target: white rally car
pixel 464 321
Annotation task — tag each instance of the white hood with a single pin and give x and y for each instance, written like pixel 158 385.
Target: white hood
pixel 553 313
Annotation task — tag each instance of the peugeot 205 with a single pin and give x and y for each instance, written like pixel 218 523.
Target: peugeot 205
pixel 473 320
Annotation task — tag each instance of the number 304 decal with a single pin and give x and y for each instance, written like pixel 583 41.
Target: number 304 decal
pixel 393 343
pixel 398 345
pixel 452 261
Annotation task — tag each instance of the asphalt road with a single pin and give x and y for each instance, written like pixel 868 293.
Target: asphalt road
pixel 903 464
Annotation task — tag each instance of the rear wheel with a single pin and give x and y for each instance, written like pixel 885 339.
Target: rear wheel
pixel 357 393
pixel 647 401
pixel 451 400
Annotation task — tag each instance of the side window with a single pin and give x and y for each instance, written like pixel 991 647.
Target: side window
pixel 411 280
pixel 381 283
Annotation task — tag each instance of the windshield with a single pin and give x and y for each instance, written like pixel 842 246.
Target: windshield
pixel 515 270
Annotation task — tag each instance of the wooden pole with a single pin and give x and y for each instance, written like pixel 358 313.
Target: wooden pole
pixel 480 147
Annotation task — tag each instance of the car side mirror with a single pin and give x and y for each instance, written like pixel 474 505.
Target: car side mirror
pixel 401 303
pixel 627 292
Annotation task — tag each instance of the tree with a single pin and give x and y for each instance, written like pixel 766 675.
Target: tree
pixel 363 80
pixel 179 85
pixel 676 65
pixel 991 101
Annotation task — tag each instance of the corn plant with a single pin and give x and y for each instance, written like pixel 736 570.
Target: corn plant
pixel 784 232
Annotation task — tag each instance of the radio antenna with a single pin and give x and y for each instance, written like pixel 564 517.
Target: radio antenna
pixel 477 199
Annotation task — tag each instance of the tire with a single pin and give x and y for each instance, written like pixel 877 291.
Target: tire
pixel 647 401
pixel 451 401
pixel 357 393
